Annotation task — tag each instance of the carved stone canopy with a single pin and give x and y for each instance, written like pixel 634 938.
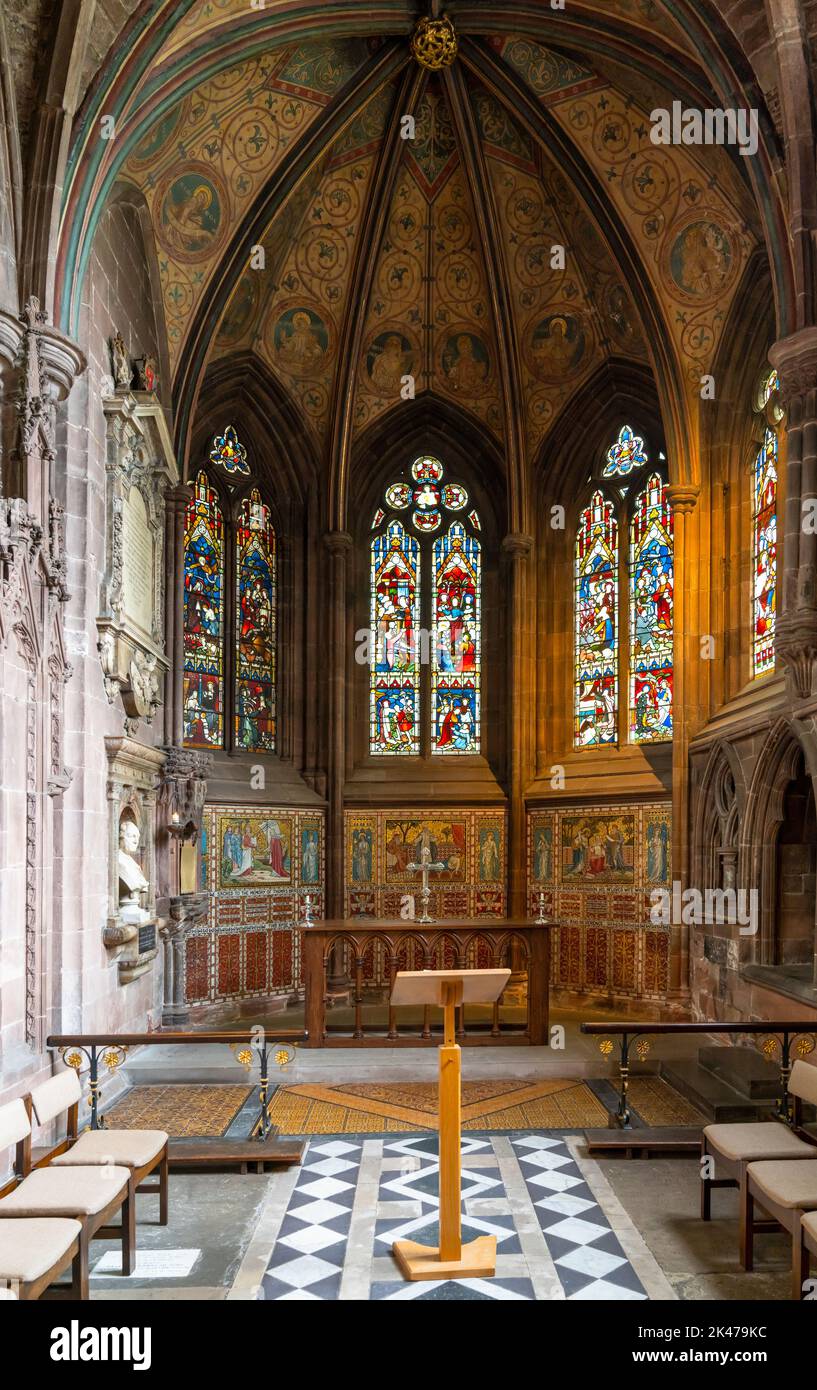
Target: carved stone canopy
pixel 183 790
pixel 140 468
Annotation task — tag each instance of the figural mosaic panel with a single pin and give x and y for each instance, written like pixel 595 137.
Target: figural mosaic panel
pixel 380 846
pixel 258 865
pixel 593 868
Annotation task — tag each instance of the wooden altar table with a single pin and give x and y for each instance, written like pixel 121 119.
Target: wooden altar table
pixel 372 952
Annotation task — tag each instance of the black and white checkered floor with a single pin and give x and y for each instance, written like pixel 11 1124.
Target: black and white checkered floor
pixel 354 1197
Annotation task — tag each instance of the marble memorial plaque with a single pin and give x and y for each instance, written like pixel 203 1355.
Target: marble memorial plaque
pixel 138 560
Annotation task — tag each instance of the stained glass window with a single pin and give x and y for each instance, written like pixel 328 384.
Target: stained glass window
pixel 229 453
pixel 204 619
pixel 596 618
pixel 455 671
pixel 651 614
pixel 764 547
pixel 401 651
pixel 626 454
pixel 771 384
pixel 395 622
pixel 255 620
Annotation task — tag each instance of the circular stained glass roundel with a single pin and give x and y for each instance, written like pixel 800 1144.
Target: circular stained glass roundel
pixel 398 495
pixel 427 521
pixel 455 497
pixel 427 495
pixel 426 470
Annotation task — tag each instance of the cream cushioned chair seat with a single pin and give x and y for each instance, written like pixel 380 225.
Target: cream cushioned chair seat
pixel 65 1192
pixel 787 1184
pixel 29 1247
pixel 758 1139
pixel 131 1147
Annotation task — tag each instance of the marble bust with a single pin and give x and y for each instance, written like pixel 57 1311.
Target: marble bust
pixel 132 882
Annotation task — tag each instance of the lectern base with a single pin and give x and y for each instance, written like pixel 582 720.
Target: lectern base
pixel 477 1260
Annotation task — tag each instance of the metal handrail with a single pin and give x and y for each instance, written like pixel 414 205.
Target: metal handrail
pixel 802 1035
pixel 110 1049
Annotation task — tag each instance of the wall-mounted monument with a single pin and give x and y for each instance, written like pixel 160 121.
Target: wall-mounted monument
pixel 131 931
pixel 140 467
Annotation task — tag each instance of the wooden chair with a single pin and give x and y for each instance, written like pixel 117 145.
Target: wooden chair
pixel 90 1195
pixel 734 1146
pixel 808 1244
pixel 140 1150
pixel 785 1191
pixel 34 1253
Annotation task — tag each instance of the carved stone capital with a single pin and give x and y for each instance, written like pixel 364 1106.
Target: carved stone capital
pixel 517 545
pixel 795 360
pixel 683 497
pixel 796 646
pixel 337 542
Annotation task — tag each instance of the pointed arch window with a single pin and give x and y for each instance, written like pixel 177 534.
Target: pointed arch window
pixel 395 607
pixel 204 618
pixel 255 621
pixel 628 586
pixel 426 527
pixel 230 609
pixel 455 683
pixel 596 617
pixel 764 539
pixel 652 598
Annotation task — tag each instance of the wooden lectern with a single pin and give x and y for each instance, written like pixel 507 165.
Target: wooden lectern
pixel 452 1260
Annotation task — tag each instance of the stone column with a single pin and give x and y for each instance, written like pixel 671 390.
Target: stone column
pixel 687 661
pixel 338 544
pixel 186 911
pixel 795 360
pixel 517 548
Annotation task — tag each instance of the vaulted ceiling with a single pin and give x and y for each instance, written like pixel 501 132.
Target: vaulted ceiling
pixel 280 128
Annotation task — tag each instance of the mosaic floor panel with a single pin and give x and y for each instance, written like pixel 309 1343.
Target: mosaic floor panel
pixel 559 1236
pixel 369 1108
pixel 184 1112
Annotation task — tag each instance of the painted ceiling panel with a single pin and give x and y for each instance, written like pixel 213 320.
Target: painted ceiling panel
pixel 429 314
pixel 204 162
pixel 692 236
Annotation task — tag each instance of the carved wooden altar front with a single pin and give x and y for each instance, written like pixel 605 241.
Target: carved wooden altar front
pixel 371 952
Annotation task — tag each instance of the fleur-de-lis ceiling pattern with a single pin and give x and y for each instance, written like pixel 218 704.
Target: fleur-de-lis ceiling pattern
pixel 429 318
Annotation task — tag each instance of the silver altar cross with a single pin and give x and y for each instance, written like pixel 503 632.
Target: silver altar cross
pixel 426 866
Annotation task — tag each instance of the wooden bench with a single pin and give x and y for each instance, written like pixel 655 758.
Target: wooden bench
pixel 808 1242
pixel 785 1191
pixel 35 1251
pixel 90 1195
pixel 142 1151
pixel 732 1147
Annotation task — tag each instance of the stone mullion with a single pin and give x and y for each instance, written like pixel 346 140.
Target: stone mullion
pixel 686 660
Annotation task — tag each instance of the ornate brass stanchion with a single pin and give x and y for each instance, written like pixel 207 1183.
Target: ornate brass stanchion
pixel 622 1117
pixel 283 1054
pixel 780 1049
pixel 111 1055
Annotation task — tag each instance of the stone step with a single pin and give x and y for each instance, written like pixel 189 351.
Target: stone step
pixel 720 1102
pixel 744 1069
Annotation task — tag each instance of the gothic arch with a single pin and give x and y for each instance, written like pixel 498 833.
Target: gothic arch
pixel 775 768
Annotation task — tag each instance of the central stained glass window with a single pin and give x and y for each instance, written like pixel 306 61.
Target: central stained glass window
pixel 440 665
